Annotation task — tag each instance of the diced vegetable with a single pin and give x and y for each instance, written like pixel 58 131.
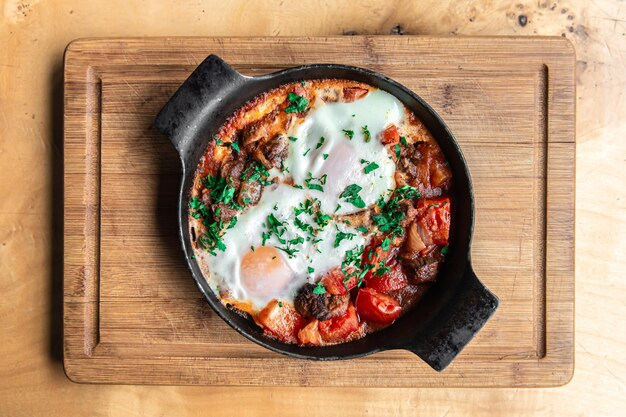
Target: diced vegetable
pixel 390 135
pixel 394 279
pixel 281 320
pixel 376 307
pixel 336 283
pixel 338 329
pixel 434 217
pixel 309 335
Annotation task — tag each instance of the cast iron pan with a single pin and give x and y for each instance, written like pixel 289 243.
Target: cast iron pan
pixel 453 310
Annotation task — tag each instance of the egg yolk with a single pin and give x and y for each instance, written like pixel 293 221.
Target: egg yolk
pixel 264 273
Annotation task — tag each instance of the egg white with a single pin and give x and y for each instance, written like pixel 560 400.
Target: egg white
pixel 343 165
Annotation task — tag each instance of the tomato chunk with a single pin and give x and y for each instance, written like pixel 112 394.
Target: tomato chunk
pixel 309 335
pixel 336 283
pixel 281 320
pixel 376 307
pixel 394 279
pixel 376 255
pixel 338 329
pixel 434 217
pixel 351 94
pixel 390 135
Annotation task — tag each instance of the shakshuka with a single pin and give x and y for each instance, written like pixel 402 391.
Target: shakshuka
pixel 321 210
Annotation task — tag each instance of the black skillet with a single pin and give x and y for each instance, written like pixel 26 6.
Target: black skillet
pixel 452 311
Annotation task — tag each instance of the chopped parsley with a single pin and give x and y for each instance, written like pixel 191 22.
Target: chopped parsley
pixel 392 213
pixel 280 304
pixel 322 219
pixel 219 190
pixel 362 229
pixel 320 143
pixel 311 185
pixel 325 156
pixel 348 133
pixel 307 151
pixel 212 238
pixel 385 244
pixel 298 103
pixel 403 141
pixel 342 236
pixel 311 270
pixel 367 136
pixel 256 172
pixel 371 166
pixel 398 150
pixel 306 207
pixel 382 269
pixel 235 146
pixel 351 195
pixel 444 250
pixel 219 142
pixel 319 289
pixel 293 138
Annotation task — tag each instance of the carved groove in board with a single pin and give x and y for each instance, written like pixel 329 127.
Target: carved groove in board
pixel 93 187
pixel 541 198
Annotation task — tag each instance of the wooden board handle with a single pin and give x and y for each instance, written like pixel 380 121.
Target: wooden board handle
pixel 203 95
pixel 470 308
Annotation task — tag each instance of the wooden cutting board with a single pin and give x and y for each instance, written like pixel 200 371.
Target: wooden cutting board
pixel 132 313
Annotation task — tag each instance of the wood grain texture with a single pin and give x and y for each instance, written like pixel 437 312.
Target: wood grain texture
pixel 33 36
pixel 133 315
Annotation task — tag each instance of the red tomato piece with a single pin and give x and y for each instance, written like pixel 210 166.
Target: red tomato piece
pixel 336 283
pixel 434 217
pixel 374 254
pixel 395 279
pixel 376 307
pixel 281 320
pixel 390 135
pixel 353 93
pixel 309 335
pixel 338 329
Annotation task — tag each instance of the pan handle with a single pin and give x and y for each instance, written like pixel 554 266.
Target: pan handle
pixel 467 312
pixel 201 97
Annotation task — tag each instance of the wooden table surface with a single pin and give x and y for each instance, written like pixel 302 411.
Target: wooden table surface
pixel 33 35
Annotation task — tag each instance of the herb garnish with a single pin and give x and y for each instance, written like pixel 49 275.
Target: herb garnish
pixel 235 146
pixel 319 289
pixel 307 151
pixel 293 138
pixel 219 190
pixel 366 134
pixel 212 238
pixel 325 156
pixel 371 166
pixel 351 195
pixel 403 141
pixel 342 236
pixel 298 103
pixel 388 220
pixel 348 133
pixel 320 143
pixel 312 185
